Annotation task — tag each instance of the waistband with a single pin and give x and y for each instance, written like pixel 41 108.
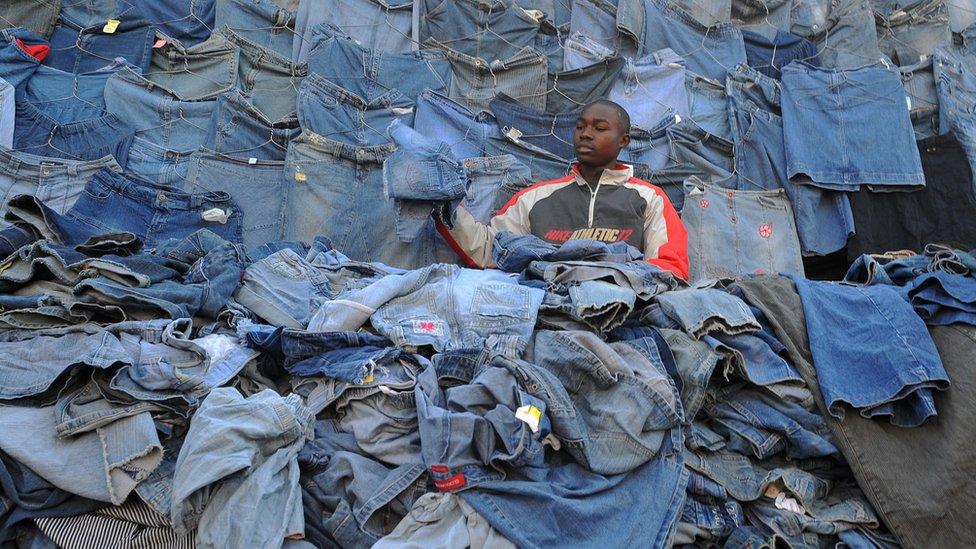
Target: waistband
pixel 944 141
pixel 454 108
pixel 491 163
pixel 672 10
pixel 695 181
pixel 149 150
pixel 126 24
pixel 664 56
pixel 315 83
pixel 26 109
pixel 235 103
pixel 15 163
pixel 813 71
pixel 669 119
pixel 926 10
pixel 263 56
pixel 697 133
pixel 523 57
pixel 359 155
pixel 586 45
pixel 509 104
pixel 328 33
pixel 173 49
pixel 612 63
pixel 269 11
pixel 229 162
pixel 703 84
pixel 129 82
pixel 159 196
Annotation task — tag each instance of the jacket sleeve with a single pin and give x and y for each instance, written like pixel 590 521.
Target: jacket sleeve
pixel 473 241
pixel 665 236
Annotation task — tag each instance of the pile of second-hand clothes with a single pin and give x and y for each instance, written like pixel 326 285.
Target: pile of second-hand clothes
pixel 191 395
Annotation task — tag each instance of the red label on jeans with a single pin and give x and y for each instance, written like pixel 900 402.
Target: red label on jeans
pixel 439 468
pixel 451 483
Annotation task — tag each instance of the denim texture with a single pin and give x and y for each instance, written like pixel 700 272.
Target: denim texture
pixel 89 48
pixel 332 187
pixel 382 25
pixel 260 21
pixel 476 81
pixel 861 102
pixel 486 29
pixel 39 16
pixel 237 128
pixel 194 71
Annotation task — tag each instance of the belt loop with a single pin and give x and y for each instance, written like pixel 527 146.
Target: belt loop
pixel 73 169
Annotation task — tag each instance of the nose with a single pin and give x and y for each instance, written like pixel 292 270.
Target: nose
pixel 583 134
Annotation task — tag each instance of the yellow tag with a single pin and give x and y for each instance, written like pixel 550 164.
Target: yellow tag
pixel 368 378
pixel 772 491
pixel 530 415
pixel 6 265
pixel 111 25
pixel 300 177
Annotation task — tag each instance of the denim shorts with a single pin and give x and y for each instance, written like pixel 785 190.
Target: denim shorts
pixel 371 73
pixel 65 96
pixel 337 114
pixel 258 188
pixel 597 21
pixel 336 191
pixel 844 32
pixel 693 145
pixel 707 50
pixel 191 20
pixel 476 81
pixel 708 105
pixel 652 87
pixel 908 32
pixel 651 147
pixel 770 55
pixel 158 165
pixel 195 72
pixel 734 233
pixel 240 129
pixel 465 131
pixel 57 183
pixel 551 132
pixel 37 133
pixel 486 29
pixel 921 91
pixel 382 25
pixel 16 64
pixel 871 137
pixel 111 203
pixel 570 90
pixel 159 115
pixel 580 50
pixel 267 79
pixel 38 16
pixel 260 21
pixel 77 49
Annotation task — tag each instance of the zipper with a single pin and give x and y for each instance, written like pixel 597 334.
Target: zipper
pixel 592 201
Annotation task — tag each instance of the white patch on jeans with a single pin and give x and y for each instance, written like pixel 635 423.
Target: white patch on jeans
pixel 428 327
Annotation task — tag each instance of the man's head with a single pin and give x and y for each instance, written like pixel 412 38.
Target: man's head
pixel 602 130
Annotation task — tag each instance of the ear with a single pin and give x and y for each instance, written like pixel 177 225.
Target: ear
pixel 624 140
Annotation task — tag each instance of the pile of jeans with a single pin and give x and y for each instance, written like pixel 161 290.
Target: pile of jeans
pixel 793 135
pixel 194 394
pixel 227 317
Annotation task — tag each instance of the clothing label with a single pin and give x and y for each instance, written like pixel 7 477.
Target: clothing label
pixel 909 101
pixel 252 160
pixel 401 111
pixel 159 43
pixel 677 119
pixel 428 327
pixel 368 378
pixel 301 177
pixel 538 15
pixel 772 491
pixel 789 504
pixel 514 134
pixel 530 415
pixel 451 483
pixel 111 25
pixel 439 468
pixel 215 215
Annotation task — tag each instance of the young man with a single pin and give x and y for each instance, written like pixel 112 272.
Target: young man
pixel 600 199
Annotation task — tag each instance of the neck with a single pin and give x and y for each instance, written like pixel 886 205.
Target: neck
pixel 591 174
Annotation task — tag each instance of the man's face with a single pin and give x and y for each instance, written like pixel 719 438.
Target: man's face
pixel 599 136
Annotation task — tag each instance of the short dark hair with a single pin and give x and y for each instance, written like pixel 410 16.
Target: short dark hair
pixel 621 112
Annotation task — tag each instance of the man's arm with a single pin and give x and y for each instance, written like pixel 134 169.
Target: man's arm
pixel 665 236
pixel 473 241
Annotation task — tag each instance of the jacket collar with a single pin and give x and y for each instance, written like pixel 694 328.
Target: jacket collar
pixel 618 175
